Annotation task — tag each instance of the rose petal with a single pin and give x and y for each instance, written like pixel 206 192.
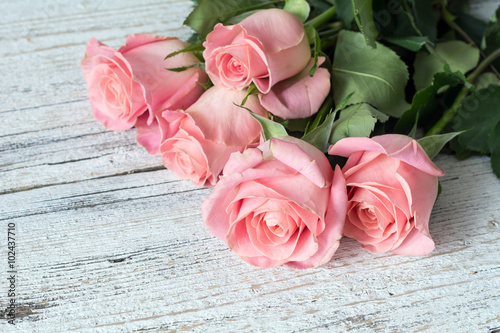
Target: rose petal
pixel 415 244
pixel 328 240
pixel 221 121
pixel 299 96
pixel 307 160
pixel 408 150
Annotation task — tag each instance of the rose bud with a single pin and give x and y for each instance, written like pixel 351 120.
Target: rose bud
pixel 265 48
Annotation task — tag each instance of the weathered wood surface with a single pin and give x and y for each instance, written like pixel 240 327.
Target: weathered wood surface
pixel 109 241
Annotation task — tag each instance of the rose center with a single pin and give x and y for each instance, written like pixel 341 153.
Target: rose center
pixel 277 223
pixel 235 66
pixel 184 162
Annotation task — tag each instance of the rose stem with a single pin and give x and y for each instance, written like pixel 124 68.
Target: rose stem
pixel 452 111
pixel 322 18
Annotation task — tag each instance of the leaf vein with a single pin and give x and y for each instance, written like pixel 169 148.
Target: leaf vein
pixel 366 75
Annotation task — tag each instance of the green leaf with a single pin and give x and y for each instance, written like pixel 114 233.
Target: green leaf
pixel 379 115
pixel 363 14
pixel 252 89
pixel 433 144
pixel 376 76
pixel 457 54
pixel 208 13
pixel 238 18
pixel 299 8
pixel 190 48
pixel 472 26
pixel 313 37
pixel 270 129
pixel 478 115
pixel 460 152
pixel 424 101
pixel 426 18
pixel 205 85
pixel 485 79
pixel 412 43
pixel 182 69
pixel 354 121
pixel 320 136
pixel 344 102
pixel 320 115
pixel 325 110
pixel 394 19
pixel 297 125
pixel 413 132
pixel 345 11
pixel 494 142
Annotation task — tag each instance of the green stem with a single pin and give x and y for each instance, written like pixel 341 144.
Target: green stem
pixel 483 65
pixel 449 114
pixel 322 18
pixel 452 111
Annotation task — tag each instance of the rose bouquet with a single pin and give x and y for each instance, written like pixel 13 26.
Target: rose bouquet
pixel 297 114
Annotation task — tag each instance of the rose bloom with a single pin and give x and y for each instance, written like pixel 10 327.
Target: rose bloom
pixel 279 203
pixel 202 138
pixel 265 48
pixel 392 186
pixel 122 84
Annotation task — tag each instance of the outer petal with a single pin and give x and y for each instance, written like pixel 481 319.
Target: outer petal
pixel 415 244
pixel 263 262
pixel 221 121
pixel 95 53
pixel 424 188
pixel 301 156
pixel 214 207
pixel 348 146
pixel 398 146
pixel 148 135
pixel 136 40
pixel 409 151
pixel 299 96
pixel 151 134
pixel 328 240
pixel 112 124
pixel 149 68
pixel 268 26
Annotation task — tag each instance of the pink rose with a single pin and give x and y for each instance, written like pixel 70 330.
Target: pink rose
pixel 266 47
pixel 392 185
pixel 202 138
pixel 300 96
pixel 279 203
pixel 123 84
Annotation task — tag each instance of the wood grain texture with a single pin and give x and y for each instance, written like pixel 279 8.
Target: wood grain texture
pixel 109 241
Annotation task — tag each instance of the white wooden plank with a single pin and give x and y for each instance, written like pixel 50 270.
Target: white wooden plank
pixel 175 275
pixel 49 41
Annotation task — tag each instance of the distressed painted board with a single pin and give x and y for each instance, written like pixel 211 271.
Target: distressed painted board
pixel 107 240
